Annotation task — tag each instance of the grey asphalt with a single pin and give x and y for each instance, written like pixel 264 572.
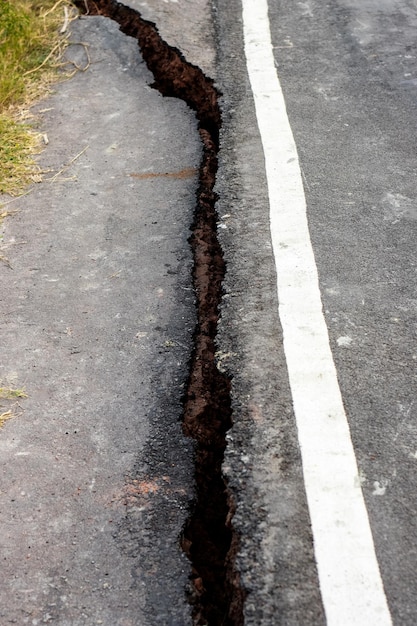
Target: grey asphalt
pixel 349 80
pixel 96 323
pixel 262 461
pixel 97 315
pixel 348 72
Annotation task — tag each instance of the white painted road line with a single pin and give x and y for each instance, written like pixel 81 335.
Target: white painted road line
pixel 350 581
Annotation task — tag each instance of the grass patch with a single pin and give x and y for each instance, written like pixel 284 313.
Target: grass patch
pixel 12 397
pixel 18 144
pixel 31 46
pixel 8 393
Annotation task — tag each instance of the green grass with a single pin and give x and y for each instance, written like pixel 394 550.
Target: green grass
pixel 12 396
pixel 30 49
pixel 8 393
pixel 18 143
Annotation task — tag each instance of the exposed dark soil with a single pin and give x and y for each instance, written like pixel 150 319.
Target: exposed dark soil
pixel 208 538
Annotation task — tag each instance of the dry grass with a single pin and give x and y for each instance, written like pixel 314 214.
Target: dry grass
pixel 31 45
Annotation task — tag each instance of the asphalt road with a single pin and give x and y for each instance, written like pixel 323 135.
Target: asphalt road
pixel 98 315
pixel 347 71
pixel 355 125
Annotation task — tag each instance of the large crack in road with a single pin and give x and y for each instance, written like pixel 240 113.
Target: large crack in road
pixel 208 537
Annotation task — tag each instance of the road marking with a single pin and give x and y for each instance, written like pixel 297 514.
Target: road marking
pixel 350 581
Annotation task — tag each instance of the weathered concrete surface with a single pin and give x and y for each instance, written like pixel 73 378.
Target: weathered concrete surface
pixel 96 321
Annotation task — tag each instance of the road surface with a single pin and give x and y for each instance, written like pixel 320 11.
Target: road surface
pixel 317 219
pixel 347 71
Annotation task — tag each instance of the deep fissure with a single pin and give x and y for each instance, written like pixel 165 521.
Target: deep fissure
pixel 208 538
